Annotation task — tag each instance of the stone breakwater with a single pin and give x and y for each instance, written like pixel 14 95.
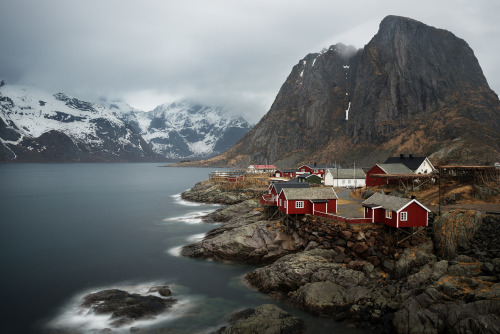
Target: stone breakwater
pixel 358 272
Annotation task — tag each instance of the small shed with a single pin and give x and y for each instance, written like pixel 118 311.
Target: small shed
pixel 309 178
pixel 285 172
pixel 395 211
pixel 307 200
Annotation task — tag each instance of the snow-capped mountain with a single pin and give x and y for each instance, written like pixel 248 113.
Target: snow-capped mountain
pixel 37 126
pixel 184 130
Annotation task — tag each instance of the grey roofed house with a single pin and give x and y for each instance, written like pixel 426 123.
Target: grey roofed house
pixel 409 161
pixel 288 170
pixel 309 193
pixel 282 185
pixel 387 202
pixel 395 169
pixel 358 173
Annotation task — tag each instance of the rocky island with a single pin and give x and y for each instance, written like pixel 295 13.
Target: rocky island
pixel 446 281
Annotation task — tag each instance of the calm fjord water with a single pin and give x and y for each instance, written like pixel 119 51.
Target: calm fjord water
pixel 70 229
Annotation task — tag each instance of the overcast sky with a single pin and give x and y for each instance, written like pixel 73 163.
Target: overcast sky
pixel 233 53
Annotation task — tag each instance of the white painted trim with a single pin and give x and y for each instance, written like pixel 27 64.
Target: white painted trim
pixel 414 200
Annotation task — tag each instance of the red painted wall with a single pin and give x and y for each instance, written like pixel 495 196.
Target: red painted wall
pixel 283 200
pixel 320 207
pixel 292 210
pixel 306 169
pixel 332 206
pixel 373 182
pixel 368 212
pixel 417 216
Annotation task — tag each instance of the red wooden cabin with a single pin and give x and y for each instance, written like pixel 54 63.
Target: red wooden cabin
pixel 275 188
pixel 385 169
pixel 282 172
pixel 395 211
pixel 299 201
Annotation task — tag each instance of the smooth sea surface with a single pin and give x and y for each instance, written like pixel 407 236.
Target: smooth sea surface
pixel 70 229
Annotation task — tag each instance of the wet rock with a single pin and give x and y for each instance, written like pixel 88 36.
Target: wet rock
pixel 163 290
pixel 265 319
pixel 125 307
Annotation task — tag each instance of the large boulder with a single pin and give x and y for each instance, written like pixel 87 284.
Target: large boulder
pixel 454 229
pixel 264 319
pixel 124 307
pixel 246 237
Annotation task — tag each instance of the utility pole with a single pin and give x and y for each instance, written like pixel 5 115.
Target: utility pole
pixel 439 196
pixel 354 174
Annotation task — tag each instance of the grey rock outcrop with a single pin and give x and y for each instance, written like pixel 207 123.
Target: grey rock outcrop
pixel 245 236
pixel 264 319
pixel 454 229
pixel 124 307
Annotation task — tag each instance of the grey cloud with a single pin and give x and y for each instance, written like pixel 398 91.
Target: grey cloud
pixel 228 53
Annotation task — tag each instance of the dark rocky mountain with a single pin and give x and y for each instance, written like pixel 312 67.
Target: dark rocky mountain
pixel 412 89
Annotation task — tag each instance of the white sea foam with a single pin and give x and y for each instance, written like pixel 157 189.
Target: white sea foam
pixel 196 237
pixel 179 200
pixel 176 251
pixel 78 319
pixel 190 218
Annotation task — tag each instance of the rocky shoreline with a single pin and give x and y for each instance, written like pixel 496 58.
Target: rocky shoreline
pixel 446 281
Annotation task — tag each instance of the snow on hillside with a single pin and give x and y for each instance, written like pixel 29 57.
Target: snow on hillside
pixel 184 130
pixel 174 131
pixel 35 112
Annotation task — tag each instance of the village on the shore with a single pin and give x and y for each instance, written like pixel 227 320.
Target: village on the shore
pixel 403 246
pixel 310 189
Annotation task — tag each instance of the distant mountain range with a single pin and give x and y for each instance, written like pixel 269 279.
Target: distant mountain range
pixel 36 126
pixel 412 89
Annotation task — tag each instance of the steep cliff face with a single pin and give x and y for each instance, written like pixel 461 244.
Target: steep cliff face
pixel 412 89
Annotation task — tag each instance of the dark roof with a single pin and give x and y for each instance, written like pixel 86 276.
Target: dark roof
pixel 280 186
pixel 319 166
pixel 287 170
pixel 319 200
pixel 411 162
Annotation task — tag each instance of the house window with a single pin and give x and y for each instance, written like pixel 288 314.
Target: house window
pixel 280 202
pixel 285 203
pixel 303 170
pixel 349 181
pixel 343 181
pixel 299 204
pixel 404 216
pixel 388 214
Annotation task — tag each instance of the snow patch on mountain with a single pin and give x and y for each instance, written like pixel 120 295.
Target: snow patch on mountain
pixel 186 130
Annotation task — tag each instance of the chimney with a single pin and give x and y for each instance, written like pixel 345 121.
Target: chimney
pixel 314 164
pixel 401 156
pixel 410 156
pixel 412 196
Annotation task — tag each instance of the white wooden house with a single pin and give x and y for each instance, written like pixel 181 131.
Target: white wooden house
pixel 348 178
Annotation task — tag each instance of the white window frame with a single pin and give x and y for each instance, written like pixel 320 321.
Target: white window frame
pixel 280 202
pixel 403 216
pixel 285 203
pixel 388 214
pixel 299 204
